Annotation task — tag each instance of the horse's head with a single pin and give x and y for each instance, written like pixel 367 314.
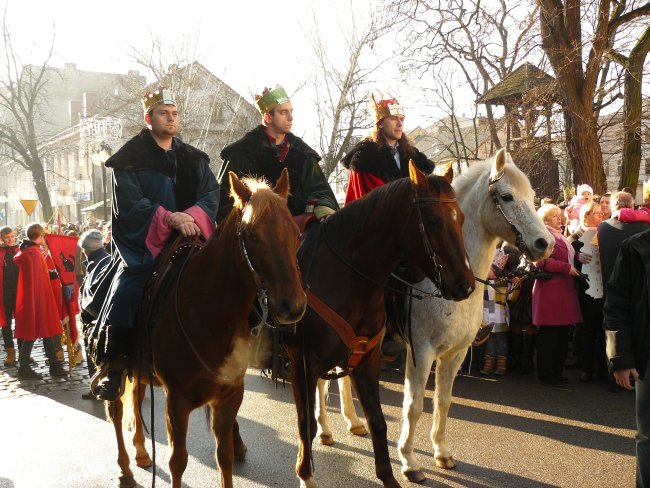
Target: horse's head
pixel 269 239
pixel 433 236
pixel 508 211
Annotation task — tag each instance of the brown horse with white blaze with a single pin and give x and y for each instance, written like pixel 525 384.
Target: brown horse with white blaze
pixel 346 262
pixel 200 345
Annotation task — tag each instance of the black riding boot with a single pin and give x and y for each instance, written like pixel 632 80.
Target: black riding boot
pixel 25 371
pixel 115 368
pixel 528 351
pixel 49 344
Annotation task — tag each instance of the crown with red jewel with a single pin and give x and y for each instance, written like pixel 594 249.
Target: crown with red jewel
pixel 159 95
pixel 385 104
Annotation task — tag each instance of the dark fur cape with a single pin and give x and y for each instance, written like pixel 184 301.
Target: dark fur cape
pixel 142 152
pixel 372 158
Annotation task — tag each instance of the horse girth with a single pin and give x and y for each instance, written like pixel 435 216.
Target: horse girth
pixel 359 346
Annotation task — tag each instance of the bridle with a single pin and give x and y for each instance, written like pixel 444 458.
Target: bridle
pixel 519 239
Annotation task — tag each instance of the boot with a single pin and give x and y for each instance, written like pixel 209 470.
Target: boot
pixel 27 373
pixel 527 365
pixel 57 370
pixel 10 360
pixel 501 366
pixel 111 386
pixel 488 365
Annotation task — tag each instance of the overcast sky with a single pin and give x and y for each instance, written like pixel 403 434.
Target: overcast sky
pixel 248 43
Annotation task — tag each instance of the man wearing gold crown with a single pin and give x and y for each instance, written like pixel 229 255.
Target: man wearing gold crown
pixel 384 155
pixel 267 150
pixel 162 186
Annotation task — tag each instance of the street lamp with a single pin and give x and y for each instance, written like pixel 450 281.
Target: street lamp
pixel 99 157
pixel 4 199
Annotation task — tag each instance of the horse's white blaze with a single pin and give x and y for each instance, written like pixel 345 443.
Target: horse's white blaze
pixel 235 364
pixel 467 263
pixel 454 215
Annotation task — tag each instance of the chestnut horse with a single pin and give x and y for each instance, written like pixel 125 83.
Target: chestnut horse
pixel 200 344
pixel 346 262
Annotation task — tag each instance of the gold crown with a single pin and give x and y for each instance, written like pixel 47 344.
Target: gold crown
pixel 385 105
pixel 269 99
pixel 159 95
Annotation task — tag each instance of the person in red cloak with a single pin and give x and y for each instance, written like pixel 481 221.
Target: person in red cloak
pixel 384 155
pixel 378 159
pixel 37 314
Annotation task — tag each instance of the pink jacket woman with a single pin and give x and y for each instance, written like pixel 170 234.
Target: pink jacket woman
pixel 555 301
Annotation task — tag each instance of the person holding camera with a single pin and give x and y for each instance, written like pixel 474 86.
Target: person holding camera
pixel 555 302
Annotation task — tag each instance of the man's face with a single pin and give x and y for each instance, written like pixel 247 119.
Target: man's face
pixel 392 128
pixel 281 120
pixel 163 120
pixel 9 239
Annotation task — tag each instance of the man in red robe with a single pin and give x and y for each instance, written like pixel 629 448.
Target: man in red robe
pixel 37 313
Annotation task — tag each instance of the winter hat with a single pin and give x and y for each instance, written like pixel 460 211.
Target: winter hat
pixel 91 240
pixel 582 188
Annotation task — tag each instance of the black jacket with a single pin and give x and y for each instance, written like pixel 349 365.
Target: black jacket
pixel 626 311
pixel 368 156
pixel 611 233
pixel 254 155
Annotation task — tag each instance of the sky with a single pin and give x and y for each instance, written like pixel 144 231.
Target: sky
pixel 249 44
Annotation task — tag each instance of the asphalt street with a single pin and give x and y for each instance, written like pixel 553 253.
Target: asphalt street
pixel 504 432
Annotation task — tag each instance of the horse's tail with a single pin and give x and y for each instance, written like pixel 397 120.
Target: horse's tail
pixel 128 405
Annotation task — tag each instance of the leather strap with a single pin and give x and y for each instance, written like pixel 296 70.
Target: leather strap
pixel 358 345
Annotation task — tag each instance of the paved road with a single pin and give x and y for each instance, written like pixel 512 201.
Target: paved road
pixel 507 432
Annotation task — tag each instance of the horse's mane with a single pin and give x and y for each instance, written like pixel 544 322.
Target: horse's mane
pixel 465 181
pixel 356 213
pixel 262 198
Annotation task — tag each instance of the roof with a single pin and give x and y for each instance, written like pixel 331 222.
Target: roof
pixel 522 80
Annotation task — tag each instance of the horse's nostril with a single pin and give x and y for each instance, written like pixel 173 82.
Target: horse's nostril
pixel 541 244
pixel 285 307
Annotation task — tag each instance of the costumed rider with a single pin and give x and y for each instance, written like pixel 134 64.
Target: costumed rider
pixel 269 148
pixel 161 186
pixel 378 159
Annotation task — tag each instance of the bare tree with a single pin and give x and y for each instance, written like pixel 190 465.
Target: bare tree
pixel 578 63
pixel 483 42
pixel 342 88
pixel 22 99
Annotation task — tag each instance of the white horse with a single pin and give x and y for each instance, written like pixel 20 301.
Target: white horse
pixel 497 201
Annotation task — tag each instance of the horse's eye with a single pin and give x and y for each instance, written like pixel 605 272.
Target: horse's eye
pixel 252 236
pixel 507 197
pixel 435 221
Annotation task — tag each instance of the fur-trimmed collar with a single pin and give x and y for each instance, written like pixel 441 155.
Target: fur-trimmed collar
pixel 370 157
pixel 257 141
pixel 142 152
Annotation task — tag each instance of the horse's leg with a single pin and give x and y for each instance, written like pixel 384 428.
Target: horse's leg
pixel 224 413
pixel 304 395
pixel 446 370
pixel 366 382
pixel 115 411
pixel 142 458
pixel 415 384
pixel 238 444
pixel 178 412
pixel 324 432
pixel 352 420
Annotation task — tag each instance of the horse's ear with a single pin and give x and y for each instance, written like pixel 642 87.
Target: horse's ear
pixel 499 163
pixel 282 185
pixel 418 178
pixel 449 173
pixel 238 191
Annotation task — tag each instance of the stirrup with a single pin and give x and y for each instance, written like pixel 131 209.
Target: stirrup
pixel 99 375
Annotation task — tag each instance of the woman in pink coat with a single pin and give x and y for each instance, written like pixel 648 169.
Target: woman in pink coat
pixel 555 302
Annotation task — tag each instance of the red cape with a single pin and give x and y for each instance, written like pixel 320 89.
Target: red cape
pixel 360 183
pixel 3 252
pixel 37 314
pixel 62 256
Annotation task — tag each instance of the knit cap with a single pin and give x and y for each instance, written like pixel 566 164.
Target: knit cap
pixel 91 240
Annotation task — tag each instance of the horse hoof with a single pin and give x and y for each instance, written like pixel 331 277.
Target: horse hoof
pixel 446 463
pixel 144 462
pixel 326 439
pixel 391 483
pixel 240 453
pixel 359 430
pixel 127 482
pixel 414 475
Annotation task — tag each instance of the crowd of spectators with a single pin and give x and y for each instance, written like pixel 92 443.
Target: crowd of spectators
pixel 555 314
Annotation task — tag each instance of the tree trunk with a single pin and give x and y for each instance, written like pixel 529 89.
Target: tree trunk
pixel 42 193
pixel 584 149
pixel 631 153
